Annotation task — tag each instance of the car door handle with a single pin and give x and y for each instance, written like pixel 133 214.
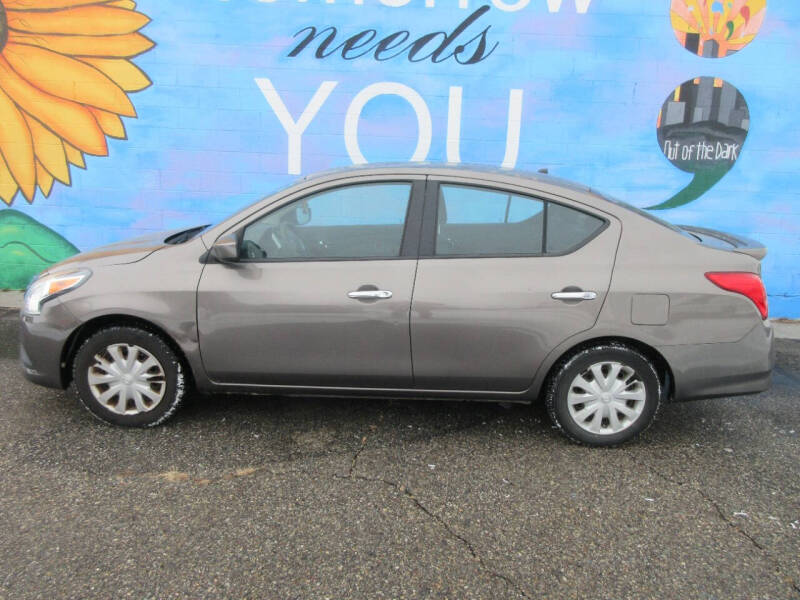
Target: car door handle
pixel 573 295
pixel 370 294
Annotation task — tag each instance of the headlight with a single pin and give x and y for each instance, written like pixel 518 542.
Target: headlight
pixel 50 286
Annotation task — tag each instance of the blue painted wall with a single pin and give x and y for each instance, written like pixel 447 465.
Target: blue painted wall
pixel 591 84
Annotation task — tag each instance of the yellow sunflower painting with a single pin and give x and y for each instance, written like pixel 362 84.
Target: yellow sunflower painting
pixel 717 28
pixel 65 76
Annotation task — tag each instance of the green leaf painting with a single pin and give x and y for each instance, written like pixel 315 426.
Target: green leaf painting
pixel 26 248
pixel 702 182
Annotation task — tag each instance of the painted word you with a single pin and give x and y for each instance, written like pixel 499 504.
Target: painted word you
pixel 295 127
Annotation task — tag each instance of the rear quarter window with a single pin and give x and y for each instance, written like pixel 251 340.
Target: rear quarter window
pixel 568 228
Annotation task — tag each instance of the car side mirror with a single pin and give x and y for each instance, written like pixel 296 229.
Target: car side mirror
pixel 226 248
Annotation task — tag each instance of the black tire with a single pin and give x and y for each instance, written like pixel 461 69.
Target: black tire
pixel 565 372
pixel 152 343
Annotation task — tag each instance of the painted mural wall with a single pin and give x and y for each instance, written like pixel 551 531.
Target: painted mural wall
pixel 119 118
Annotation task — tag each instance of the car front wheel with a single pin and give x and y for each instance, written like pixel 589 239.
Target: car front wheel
pixel 128 376
pixel 604 395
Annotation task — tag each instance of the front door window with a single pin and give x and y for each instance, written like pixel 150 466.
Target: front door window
pixel 352 222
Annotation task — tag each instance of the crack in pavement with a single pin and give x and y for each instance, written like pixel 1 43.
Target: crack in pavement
pixel 175 476
pixel 789 580
pixel 356 455
pixel 353 476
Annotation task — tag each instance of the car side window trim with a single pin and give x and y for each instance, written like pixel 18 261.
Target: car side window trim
pixel 545 212
pixel 431 218
pixel 412 229
pixel 427 244
pixel 409 242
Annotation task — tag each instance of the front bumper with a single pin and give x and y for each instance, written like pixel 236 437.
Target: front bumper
pixel 42 341
pixel 725 369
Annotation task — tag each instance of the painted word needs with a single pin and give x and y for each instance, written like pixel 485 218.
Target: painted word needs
pixel 437 46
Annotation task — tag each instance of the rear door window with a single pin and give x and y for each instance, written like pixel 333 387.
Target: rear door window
pixel 475 221
pixel 478 221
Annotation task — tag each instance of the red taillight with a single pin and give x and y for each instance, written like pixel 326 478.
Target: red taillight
pixel 747 284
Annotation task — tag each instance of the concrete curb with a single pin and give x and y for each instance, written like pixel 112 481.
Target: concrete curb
pixel 11 299
pixel 784 328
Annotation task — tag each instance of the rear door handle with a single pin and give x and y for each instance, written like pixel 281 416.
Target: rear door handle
pixel 573 295
pixel 370 294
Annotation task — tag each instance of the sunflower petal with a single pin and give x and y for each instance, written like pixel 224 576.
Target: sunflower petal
pixel 44 4
pixel 67 78
pixel 83 20
pixel 129 4
pixel 110 123
pixel 16 146
pixel 8 185
pixel 73 122
pixel 112 46
pixel 49 150
pixel 44 179
pixel 122 72
pixel 74 155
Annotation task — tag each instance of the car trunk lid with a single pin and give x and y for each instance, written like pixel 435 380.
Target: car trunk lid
pixel 726 241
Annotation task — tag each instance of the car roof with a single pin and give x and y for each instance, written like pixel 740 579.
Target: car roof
pixel 472 171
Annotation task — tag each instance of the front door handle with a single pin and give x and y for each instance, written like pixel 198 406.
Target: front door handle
pixel 573 295
pixel 370 294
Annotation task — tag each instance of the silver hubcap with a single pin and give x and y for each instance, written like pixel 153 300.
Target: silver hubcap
pixel 127 379
pixel 606 398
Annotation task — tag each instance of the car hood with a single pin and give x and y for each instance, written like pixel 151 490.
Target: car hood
pixel 119 253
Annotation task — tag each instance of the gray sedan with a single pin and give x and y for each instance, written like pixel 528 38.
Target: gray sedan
pixel 411 281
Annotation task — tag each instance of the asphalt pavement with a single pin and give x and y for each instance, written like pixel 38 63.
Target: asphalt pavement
pixel 245 497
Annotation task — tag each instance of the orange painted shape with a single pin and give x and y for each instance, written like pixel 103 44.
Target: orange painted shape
pixel 122 72
pixel 112 46
pixel 8 185
pixel 71 121
pixel 49 150
pixel 68 78
pixel 83 20
pixel 16 146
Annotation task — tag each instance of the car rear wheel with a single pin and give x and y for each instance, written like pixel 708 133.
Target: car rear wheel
pixel 604 395
pixel 128 376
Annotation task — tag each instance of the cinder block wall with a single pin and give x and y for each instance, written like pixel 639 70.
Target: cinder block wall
pixel 171 114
